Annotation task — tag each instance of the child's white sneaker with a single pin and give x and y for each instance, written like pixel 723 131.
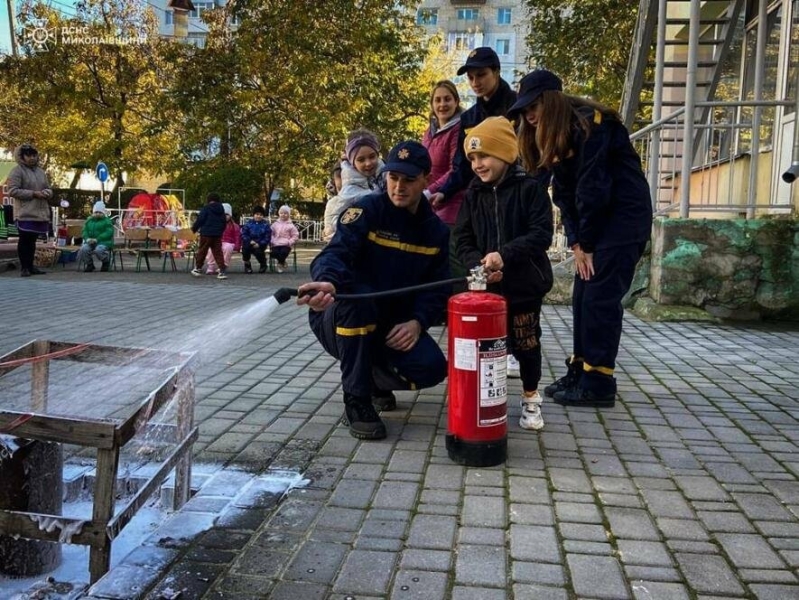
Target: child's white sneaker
pixel 531 412
pixel 221 275
pixel 197 272
pixel 534 399
pixel 513 367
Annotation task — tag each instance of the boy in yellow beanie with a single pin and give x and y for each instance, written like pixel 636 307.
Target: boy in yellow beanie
pixel 505 224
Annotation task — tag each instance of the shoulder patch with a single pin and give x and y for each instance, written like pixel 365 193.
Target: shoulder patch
pixel 351 215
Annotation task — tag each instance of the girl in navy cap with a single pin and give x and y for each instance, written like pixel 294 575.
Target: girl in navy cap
pixel 606 210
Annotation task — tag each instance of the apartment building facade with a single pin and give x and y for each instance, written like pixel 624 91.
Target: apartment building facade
pixel 467 24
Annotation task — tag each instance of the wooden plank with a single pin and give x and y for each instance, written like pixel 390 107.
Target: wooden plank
pixel 40 377
pixel 52 428
pixel 147 409
pixel 33 526
pixel 120 356
pixel 157 398
pixel 24 351
pixel 185 421
pixel 122 518
pixel 103 510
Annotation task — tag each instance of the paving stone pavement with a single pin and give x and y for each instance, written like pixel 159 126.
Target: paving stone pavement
pixel 687 489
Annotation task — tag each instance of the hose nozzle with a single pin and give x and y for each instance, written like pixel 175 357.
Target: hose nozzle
pixel 285 294
pixel 477 279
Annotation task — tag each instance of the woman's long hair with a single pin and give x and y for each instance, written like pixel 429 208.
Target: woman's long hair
pixel 543 146
pixel 450 87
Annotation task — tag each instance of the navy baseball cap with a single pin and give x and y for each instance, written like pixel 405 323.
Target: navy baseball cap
pixel 409 158
pixel 479 58
pixel 532 86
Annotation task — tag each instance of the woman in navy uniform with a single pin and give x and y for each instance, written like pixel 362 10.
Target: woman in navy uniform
pixel 384 241
pixel 606 209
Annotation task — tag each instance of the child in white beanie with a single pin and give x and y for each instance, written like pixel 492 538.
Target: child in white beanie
pixel 98 239
pixel 284 235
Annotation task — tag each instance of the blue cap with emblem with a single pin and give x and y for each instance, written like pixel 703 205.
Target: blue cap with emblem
pixel 409 158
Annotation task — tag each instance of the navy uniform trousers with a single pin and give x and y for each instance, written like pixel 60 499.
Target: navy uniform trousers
pixel 598 314
pixel 350 331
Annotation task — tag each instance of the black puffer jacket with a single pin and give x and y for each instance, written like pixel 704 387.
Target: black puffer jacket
pixel 515 219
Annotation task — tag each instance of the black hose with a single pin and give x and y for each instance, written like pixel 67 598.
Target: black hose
pixel 283 294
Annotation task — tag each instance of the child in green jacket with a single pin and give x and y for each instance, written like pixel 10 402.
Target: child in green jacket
pixel 98 239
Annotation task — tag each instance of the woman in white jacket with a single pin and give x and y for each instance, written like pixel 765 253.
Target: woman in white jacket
pixel 359 176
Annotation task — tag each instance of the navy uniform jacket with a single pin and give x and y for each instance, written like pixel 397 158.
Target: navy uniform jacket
pixel 378 246
pixel 496 106
pixel 601 190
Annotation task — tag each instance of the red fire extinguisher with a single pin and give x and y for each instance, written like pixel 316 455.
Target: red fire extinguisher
pixel 477 420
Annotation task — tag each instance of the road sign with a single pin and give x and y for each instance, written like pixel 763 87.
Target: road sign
pixel 102 172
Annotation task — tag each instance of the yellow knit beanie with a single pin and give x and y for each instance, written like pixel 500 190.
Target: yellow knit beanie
pixel 495 137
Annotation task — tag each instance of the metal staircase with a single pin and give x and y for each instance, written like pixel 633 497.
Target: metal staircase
pixel 675 66
pixel 661 58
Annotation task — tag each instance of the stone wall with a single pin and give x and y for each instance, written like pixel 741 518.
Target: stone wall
pixel 738 269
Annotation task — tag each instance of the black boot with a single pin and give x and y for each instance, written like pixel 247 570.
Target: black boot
pixel 594 389
pixel 384 400
pixel 105 266
pixel 35 271
pixel 569 380
pixel 247 267
pixel 262 268
pixel 365 423
pixel 89 268
pixel 24 273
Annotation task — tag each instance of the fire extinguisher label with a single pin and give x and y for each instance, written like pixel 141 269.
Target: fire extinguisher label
pixel 492 359
pixel 465 354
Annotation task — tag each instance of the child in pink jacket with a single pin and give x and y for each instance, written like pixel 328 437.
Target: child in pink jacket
pixel 231 241
pixel 284 236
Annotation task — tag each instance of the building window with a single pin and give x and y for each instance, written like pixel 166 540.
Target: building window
pixel 462 41
pixel 200 8
pixel 197 38
pixel 169 17
pixel 503 46
pixel 503 16
pixel 427 16
pixel 468 14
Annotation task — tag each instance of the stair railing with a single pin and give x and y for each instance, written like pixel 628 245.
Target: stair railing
pixel 720 158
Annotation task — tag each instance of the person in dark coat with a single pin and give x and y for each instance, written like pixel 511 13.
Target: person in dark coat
pixel 505 224
pixel 494 98
pixel 211 224
pixel 30 188
pixel 382 242
pixel 606 209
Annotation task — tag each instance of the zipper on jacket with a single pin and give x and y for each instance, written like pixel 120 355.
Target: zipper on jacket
pixel 496 217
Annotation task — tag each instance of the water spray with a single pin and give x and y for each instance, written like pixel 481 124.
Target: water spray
pixel 476 281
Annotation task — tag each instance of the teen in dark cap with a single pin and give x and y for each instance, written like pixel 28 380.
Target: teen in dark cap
pixel 494 98
pixel 384 241
pixel 606 209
